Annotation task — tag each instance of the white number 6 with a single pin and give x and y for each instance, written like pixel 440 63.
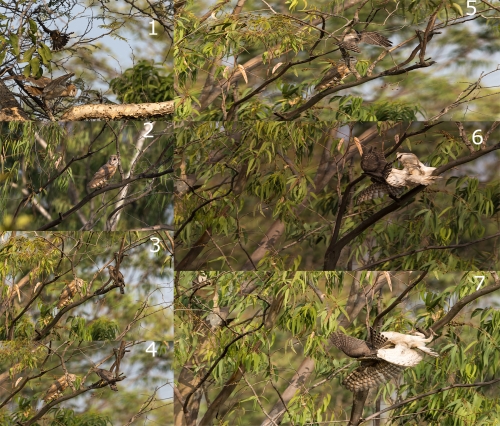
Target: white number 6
pixel 156 244
pixel 476 137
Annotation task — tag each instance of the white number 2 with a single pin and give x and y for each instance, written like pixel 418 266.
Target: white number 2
pixel 151 349
pixel 156 244
pixel 481 281
pixel 469 6
pixel 148 130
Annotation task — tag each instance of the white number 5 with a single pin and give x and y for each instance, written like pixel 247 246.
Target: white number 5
pixel 156 244
pixel 469 6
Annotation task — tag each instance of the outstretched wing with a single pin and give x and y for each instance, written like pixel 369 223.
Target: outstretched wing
pixel 370 374
pixel 376 190
pixel 352 347
pixel 374 38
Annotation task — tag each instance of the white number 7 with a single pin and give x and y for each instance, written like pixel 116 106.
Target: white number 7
pixel 481 281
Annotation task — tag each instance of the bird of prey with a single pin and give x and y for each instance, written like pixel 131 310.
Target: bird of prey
pixel 58 38
pixel 392 181
pixel 383 356
pixel 385 179
pixel 117 277
pixel 104 174
pixel 57 388
pixel 417 172
pixel 108 377
pixel 48 88
pixel 66 296
pixel 354 37
pixel 336 73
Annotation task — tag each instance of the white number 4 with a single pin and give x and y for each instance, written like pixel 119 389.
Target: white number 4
pixel 469 6
pixel 156 244
pixel 481 281
pixel 151 349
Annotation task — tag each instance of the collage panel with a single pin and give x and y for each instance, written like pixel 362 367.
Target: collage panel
pixel 86 286
pixel 86 383
pixel 329 196
pixel 113 176
pixel 338 347
pixel 350 60
pixel 73 60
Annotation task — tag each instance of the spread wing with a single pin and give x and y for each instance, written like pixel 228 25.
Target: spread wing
pixel 352 347
pixel 59 81
pixel 38 82
pixel 374 38
pixel 377 190
pixel 348 45
pixel 370 374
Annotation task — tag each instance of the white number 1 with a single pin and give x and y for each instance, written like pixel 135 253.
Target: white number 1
pixel 153 26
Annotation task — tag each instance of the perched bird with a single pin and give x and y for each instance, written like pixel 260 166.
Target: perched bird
pixel 418 173
pixel 383 356
pixel 117 277
pixel 57 388
pixel 66 296
pixel 336 73
pixel 108 377
pixel 104 174
pixel 354 37
pixel 57 38
pixel 48 88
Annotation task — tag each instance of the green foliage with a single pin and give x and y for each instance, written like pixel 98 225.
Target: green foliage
pixel 144 82
pixel 285 324
pixel 297 173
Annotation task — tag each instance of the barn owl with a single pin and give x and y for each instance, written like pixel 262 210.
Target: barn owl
pixel 353 38
pixel 66 296
pixel 417 172
pixel 383 356
pixel 58 38
pixel 117 278
pixel 108 377
pixel 48 88
pixel 104 174
pixel 335 74
pixel 57 388
pixel 392 181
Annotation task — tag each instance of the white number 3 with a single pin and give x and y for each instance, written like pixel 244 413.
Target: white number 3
pixel 156 244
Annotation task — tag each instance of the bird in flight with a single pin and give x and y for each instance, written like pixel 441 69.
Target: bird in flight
pixel 353 38
pixel 383 356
